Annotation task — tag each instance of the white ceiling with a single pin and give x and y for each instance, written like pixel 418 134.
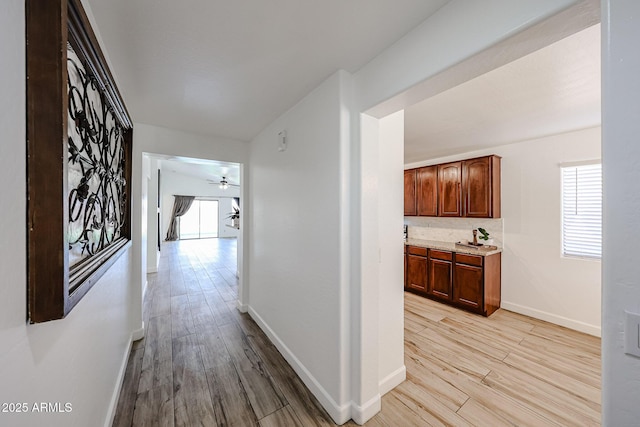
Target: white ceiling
pixel 203 169
pixel 229 68
pixel 553 90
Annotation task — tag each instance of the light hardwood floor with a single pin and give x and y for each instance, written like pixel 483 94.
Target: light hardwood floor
pixel 204 363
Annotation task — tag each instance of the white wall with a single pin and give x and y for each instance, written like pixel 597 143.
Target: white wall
pixel 78 359
pixel 174 183
pixel 621 161
pixel 295 255
pixel 536 279
pixel 391 269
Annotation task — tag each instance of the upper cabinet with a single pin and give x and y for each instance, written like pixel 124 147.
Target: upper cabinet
pixel 410 192
pixel 481 187
pixel 467 188
pixel 449 189
pixel 427 191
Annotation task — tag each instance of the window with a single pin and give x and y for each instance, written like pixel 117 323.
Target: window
pixel 582 211
pixel 200 221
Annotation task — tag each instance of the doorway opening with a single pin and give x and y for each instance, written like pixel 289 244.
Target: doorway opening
pixel 206 228
pixel 429 326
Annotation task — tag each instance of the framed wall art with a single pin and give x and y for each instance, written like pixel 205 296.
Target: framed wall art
pixel 79 137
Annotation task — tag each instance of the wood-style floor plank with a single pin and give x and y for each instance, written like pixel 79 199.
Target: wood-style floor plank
pixel 191 398
pixel 160 305
pixel 263 393
pixel 549 401
pixel 204 363
pixel 157 367
pixel 181 318
pixel 154 407
pixel 437 347
pixel 300 399
pixel 127 399
pixel 451 396
pixel 427 406
pixel 554 377
pixel 230 401
pixel 280 418
pixel 219 308
pixel 480 415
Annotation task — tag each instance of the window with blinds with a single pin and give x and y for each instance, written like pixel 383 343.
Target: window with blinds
pixel 582 211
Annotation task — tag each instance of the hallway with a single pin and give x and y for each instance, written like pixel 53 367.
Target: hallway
pixel 202 362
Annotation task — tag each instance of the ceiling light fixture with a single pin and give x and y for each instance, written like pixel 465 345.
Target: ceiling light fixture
pixel 224 184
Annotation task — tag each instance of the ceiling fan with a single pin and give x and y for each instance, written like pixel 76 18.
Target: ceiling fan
pixel 223 184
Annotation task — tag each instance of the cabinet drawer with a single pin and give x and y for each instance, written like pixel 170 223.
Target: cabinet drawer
pixel 443 255
pixel 417 250
pixel 469 259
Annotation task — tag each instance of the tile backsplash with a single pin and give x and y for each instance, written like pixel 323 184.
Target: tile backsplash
pixel 453 229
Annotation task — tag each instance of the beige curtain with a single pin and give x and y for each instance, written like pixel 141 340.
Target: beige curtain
pixel 180 207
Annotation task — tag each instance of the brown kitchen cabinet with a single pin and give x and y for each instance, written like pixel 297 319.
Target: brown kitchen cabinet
pixel 467 188
pixel 416 272
pixel 477 283
pixel 410 192
pixel 405 267
pixel 481 187
pixel 427 191
pixel 450 189
pixel 440 280
pixel 470 282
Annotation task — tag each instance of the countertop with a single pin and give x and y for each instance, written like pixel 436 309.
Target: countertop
pixel 452 247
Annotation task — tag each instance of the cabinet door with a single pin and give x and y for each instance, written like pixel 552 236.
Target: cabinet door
pixel 468 286
pixel 440 278
pixel 427 191
pixel 481 187
pixel 449 186
pixel 410 192
pixel 417 273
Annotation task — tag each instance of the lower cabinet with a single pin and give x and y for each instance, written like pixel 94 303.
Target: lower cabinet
pixel 440 282
pixel 416 269
pixel 405 267
pixel 471 282
pixel 469 275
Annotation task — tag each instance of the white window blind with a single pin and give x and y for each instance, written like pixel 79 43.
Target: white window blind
pixel 582 211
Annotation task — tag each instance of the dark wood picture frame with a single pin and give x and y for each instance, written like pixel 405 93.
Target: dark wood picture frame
pixel 53 288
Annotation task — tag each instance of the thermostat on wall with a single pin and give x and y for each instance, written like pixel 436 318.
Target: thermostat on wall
pixel 282 140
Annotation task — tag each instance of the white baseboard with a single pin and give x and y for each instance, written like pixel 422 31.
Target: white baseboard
pixel 138 334
pixel 362 414
pixel 339 414
pixel 553 318
pixel 242 308
pixel 111 412
pixel 154 268
pixel 393 380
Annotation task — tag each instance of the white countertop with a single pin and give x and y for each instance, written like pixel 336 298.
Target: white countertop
pixel 452 247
